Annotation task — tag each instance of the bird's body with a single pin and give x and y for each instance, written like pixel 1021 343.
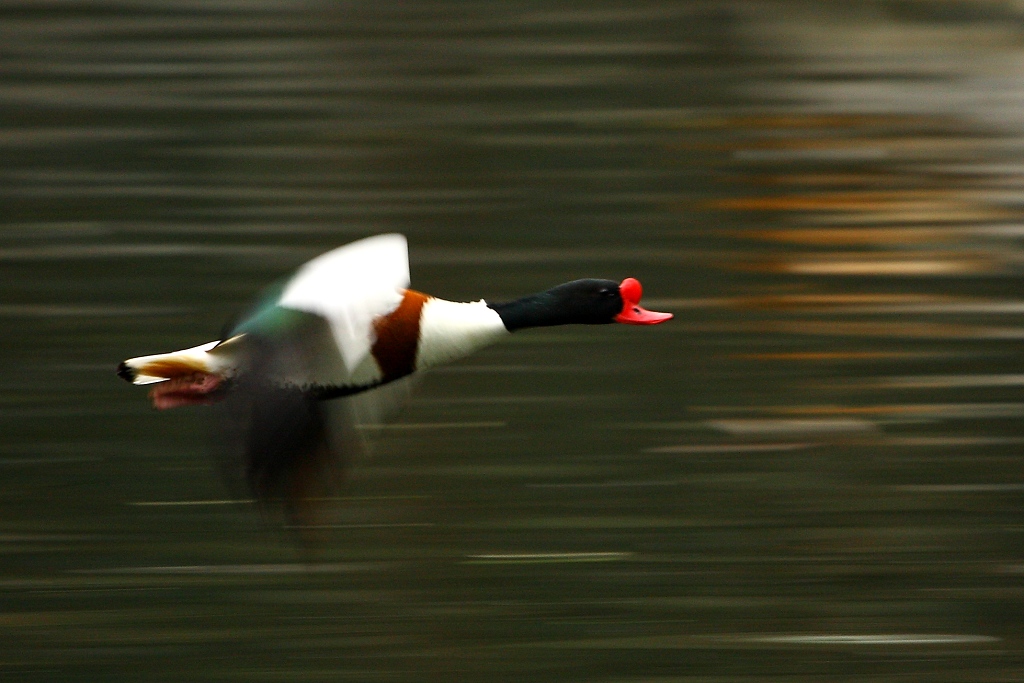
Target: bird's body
pixel 346 323
pixel 422 332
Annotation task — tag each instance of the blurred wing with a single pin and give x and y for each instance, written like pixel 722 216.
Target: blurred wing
pixel 350 287
pixel 272 432
pixel 370 410
pixel 287 447
pixel 373 408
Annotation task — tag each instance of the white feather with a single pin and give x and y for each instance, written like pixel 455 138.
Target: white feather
pixel 350 287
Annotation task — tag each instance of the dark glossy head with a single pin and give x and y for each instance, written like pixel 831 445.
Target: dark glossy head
pixel 580 302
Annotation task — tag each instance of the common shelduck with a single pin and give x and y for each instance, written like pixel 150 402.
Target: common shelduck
pixel 346 323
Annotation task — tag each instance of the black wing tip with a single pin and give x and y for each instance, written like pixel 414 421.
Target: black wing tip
pixel 125 372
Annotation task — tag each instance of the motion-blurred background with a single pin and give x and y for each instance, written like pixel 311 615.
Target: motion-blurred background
pixel 813 473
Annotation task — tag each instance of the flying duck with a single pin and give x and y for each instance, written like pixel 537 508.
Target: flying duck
pixel 345 324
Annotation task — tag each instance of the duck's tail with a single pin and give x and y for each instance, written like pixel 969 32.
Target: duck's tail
pixel 208 358
pixel 183 377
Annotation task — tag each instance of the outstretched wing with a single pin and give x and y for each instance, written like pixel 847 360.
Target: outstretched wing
pixel 273 433
pixel 350 287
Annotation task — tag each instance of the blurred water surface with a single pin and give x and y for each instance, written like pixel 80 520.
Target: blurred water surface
pixel 812 472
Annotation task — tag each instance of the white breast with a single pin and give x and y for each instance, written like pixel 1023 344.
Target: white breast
pixel 449 331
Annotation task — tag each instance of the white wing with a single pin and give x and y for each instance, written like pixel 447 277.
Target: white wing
pixel 350 287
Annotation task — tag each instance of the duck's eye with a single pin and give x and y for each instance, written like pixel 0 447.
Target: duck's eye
pixel 604 291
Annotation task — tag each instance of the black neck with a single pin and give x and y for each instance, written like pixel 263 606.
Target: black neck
pixel 536 310
pixel 582 302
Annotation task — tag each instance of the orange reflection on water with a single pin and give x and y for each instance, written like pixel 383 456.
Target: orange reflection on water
pixel 903 200
pixel 891 264
pixel 858 236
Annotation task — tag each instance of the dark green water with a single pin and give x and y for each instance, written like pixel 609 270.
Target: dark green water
pixel 813 473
